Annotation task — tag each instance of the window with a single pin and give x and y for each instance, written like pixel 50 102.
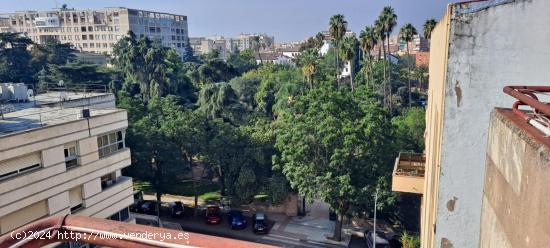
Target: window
pixel 75 199
pixel 82 29
pixel 16 166
pixel 110 143
pixel 108 180
pixel 122 215
pixel 70 155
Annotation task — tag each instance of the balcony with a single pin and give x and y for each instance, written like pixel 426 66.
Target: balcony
pixel 408 173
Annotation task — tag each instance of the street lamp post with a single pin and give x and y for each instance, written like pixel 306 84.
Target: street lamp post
pixel 154 166
pixel 374 225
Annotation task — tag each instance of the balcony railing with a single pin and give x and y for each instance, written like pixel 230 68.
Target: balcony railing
pixel 111 233
pixel 408 173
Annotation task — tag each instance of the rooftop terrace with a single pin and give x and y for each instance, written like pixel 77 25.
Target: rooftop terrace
pixel 52 108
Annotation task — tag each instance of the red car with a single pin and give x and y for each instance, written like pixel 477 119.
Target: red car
pixel 213 215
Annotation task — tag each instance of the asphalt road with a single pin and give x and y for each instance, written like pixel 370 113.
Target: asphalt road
pixel 198 225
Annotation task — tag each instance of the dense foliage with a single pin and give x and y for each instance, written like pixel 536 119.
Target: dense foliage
pixel 269 130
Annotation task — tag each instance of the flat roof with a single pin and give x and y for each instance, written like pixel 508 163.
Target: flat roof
pixel 50 109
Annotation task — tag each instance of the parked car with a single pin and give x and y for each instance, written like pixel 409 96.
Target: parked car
pixel 236 219
pixel 176 209
pixel 259 223
pixel 149 207
pixel 381 240
pixel 213 215
pixel 136 207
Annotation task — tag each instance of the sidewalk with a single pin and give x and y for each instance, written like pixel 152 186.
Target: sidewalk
pixel 315 227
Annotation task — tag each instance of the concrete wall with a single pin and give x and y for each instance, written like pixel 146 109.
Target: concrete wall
pixel 516 202
pixel 434 122
pixel 489 47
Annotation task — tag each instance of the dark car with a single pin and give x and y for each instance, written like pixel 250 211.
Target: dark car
pixel 381 240
pixel 236 219
pixel 259 223
pixel 176 209
pixel 149 207
pixel 213 215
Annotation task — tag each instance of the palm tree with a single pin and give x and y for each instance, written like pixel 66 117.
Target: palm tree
pixel 337 29
pixel 390 20
pixel 349 47
pixel 309 64
pixel 319 39
pixel 368 40
pixel 379 30
pixel 256 44
pixel 407 33
pixel 429 26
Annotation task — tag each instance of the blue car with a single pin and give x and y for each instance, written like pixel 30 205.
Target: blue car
pixel 236 219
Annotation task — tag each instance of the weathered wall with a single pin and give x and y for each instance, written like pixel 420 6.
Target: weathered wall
pixel 516 203
pixel 434 122
pixel 489 48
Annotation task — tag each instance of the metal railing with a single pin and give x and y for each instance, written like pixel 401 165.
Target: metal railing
pixel 110 233
pixel 539 113
pixel 410 164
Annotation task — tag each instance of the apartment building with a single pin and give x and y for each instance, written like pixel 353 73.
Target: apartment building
pixel 97 30
pixel 476 50
pixel 62 153
pixel 202 45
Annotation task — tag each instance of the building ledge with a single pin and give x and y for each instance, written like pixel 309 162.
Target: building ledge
pixel 408 173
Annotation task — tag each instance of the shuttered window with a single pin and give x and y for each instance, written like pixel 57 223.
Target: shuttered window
pixel 75 198
pixel 15 166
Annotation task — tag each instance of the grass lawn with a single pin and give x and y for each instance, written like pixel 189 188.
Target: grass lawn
pixel 208 191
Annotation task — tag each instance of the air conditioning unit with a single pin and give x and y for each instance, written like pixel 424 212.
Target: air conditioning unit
pixel 19 92
pixel 5 93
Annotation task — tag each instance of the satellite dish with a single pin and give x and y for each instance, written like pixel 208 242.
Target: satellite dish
pixel 30 93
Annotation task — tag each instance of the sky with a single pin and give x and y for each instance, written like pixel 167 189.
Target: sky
pixel 287 20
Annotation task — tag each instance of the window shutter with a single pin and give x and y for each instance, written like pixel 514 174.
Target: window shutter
pixel 16 164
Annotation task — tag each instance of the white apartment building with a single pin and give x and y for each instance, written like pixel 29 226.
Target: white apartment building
pixel 56 159
pixel 97 30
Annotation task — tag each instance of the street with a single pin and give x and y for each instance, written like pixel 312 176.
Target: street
pixel 277 235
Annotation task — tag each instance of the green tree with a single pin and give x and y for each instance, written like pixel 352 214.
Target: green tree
pixel 155 68
pixel 389 22
pixel 380 33
pixel 429 26
pixel 368 39
pixel 319 40
pixel 334 146
pixel 155 155
pixel 349 50
pixel 309 60
pixel 15 58
pixel 407 33
pixel 218 100
pixel 246 87
pixel 242 61
pixel 337 29
pixel 410 126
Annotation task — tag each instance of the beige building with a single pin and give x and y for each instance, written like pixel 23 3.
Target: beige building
pixel 97 30
pixel 476 50
pixel 56 158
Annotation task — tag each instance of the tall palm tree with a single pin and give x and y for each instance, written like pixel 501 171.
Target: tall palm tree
pixel 367 41
pixel 337 29
pixel 379 30
pixel 407 33
pixel 319 39
pixel 309 60
pixel 256 44
pixel 349 47
pixel 390 20
pixel 429 26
